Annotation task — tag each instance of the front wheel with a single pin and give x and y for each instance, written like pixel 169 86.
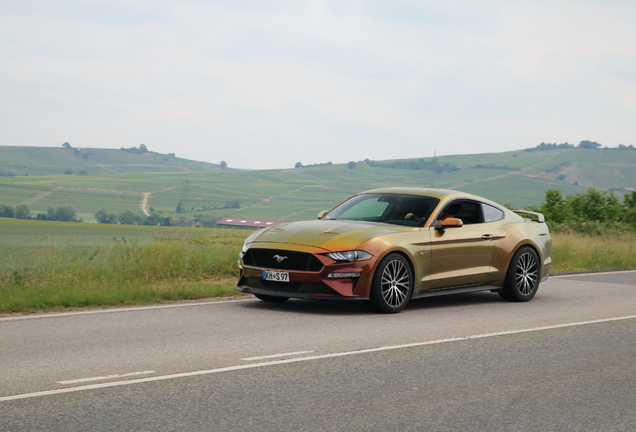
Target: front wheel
pixel 392 285
pixel 522 279
pixel 271 298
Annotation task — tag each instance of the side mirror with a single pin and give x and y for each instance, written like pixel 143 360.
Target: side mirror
pixel 450 223
pixel 322 214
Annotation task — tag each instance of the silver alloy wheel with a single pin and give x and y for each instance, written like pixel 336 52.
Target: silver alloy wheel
pixel 396 283
pixel 526 273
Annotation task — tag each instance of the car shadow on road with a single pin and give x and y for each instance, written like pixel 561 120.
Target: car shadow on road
pixel 335 307
pixel 454 300
pixel 318 307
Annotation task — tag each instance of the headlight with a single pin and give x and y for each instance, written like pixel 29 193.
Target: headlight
pixel 354 255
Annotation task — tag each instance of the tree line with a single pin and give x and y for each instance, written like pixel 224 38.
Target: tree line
pixel 596 206
pixel 140 150
pixel 22 211
pixel 585 144
pixel 433 164
pixel 155 219
pixel 130 218
pixel 77 151
pixel 69 214
pixel 300 165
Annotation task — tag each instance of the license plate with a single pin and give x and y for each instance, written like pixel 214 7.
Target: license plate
pixel 275 276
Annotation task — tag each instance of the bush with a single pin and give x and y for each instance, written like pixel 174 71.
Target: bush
pixel 583 212
pixel 208 221
pixel 129 218
pixel 104 217
pixel 63 214
pixel 6 211
pixel 22 212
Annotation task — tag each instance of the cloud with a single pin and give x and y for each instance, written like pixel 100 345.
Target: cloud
pixel 266 84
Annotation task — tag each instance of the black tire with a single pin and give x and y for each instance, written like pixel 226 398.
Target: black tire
pixel 271 298
pixel 523 277
pixel 392 285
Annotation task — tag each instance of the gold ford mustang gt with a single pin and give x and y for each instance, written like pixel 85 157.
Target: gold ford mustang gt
pixel 389 245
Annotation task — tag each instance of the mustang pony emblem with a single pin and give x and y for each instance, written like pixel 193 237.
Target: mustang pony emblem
pixel 279 258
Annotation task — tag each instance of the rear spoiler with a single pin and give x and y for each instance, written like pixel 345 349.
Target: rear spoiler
pixel 538 217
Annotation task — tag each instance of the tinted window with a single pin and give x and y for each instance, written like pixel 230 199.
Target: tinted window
pixel 491 213
pixel 468 211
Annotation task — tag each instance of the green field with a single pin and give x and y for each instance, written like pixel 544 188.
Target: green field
pixel 59 265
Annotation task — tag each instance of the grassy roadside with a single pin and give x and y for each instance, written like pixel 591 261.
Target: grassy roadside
pixel 55 266
pixel 579 252
pixel 71 268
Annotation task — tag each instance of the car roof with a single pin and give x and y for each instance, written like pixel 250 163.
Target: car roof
pixel 432 192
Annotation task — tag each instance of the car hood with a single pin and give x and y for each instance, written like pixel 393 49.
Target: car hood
pixel 325 234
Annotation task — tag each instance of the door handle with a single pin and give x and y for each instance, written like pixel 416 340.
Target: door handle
pixel 487 237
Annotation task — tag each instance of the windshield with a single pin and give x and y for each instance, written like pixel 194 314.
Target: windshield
pixel 409 210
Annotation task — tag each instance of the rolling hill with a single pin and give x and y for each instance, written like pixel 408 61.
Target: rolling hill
pixel 55 161
pixel 118 180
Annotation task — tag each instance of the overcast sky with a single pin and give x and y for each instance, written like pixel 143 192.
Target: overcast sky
pixel 266 84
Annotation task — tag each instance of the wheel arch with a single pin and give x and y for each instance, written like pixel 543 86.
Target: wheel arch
pixel 522 280
pixel 408 259
pixel 519 246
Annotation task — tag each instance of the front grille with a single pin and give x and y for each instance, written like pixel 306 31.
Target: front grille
pixel 289 260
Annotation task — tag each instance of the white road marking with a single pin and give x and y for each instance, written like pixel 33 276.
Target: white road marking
pixel 600 272
pixel 106 377
pixel 301 359
pixel 114 310
pixel 277 355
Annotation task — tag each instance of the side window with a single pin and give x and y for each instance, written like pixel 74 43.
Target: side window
pixel 491 213
pixel 468 211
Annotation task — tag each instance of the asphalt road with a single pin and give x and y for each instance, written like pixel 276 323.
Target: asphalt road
pixel 564 361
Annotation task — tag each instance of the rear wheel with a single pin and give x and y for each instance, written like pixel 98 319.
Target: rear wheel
pixel 392 285
pixel 271 298
pixel 522 279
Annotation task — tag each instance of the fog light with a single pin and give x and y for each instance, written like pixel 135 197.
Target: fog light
pixel 343 275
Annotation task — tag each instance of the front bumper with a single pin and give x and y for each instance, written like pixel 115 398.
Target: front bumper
pixel 298 295
pixel 312 284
